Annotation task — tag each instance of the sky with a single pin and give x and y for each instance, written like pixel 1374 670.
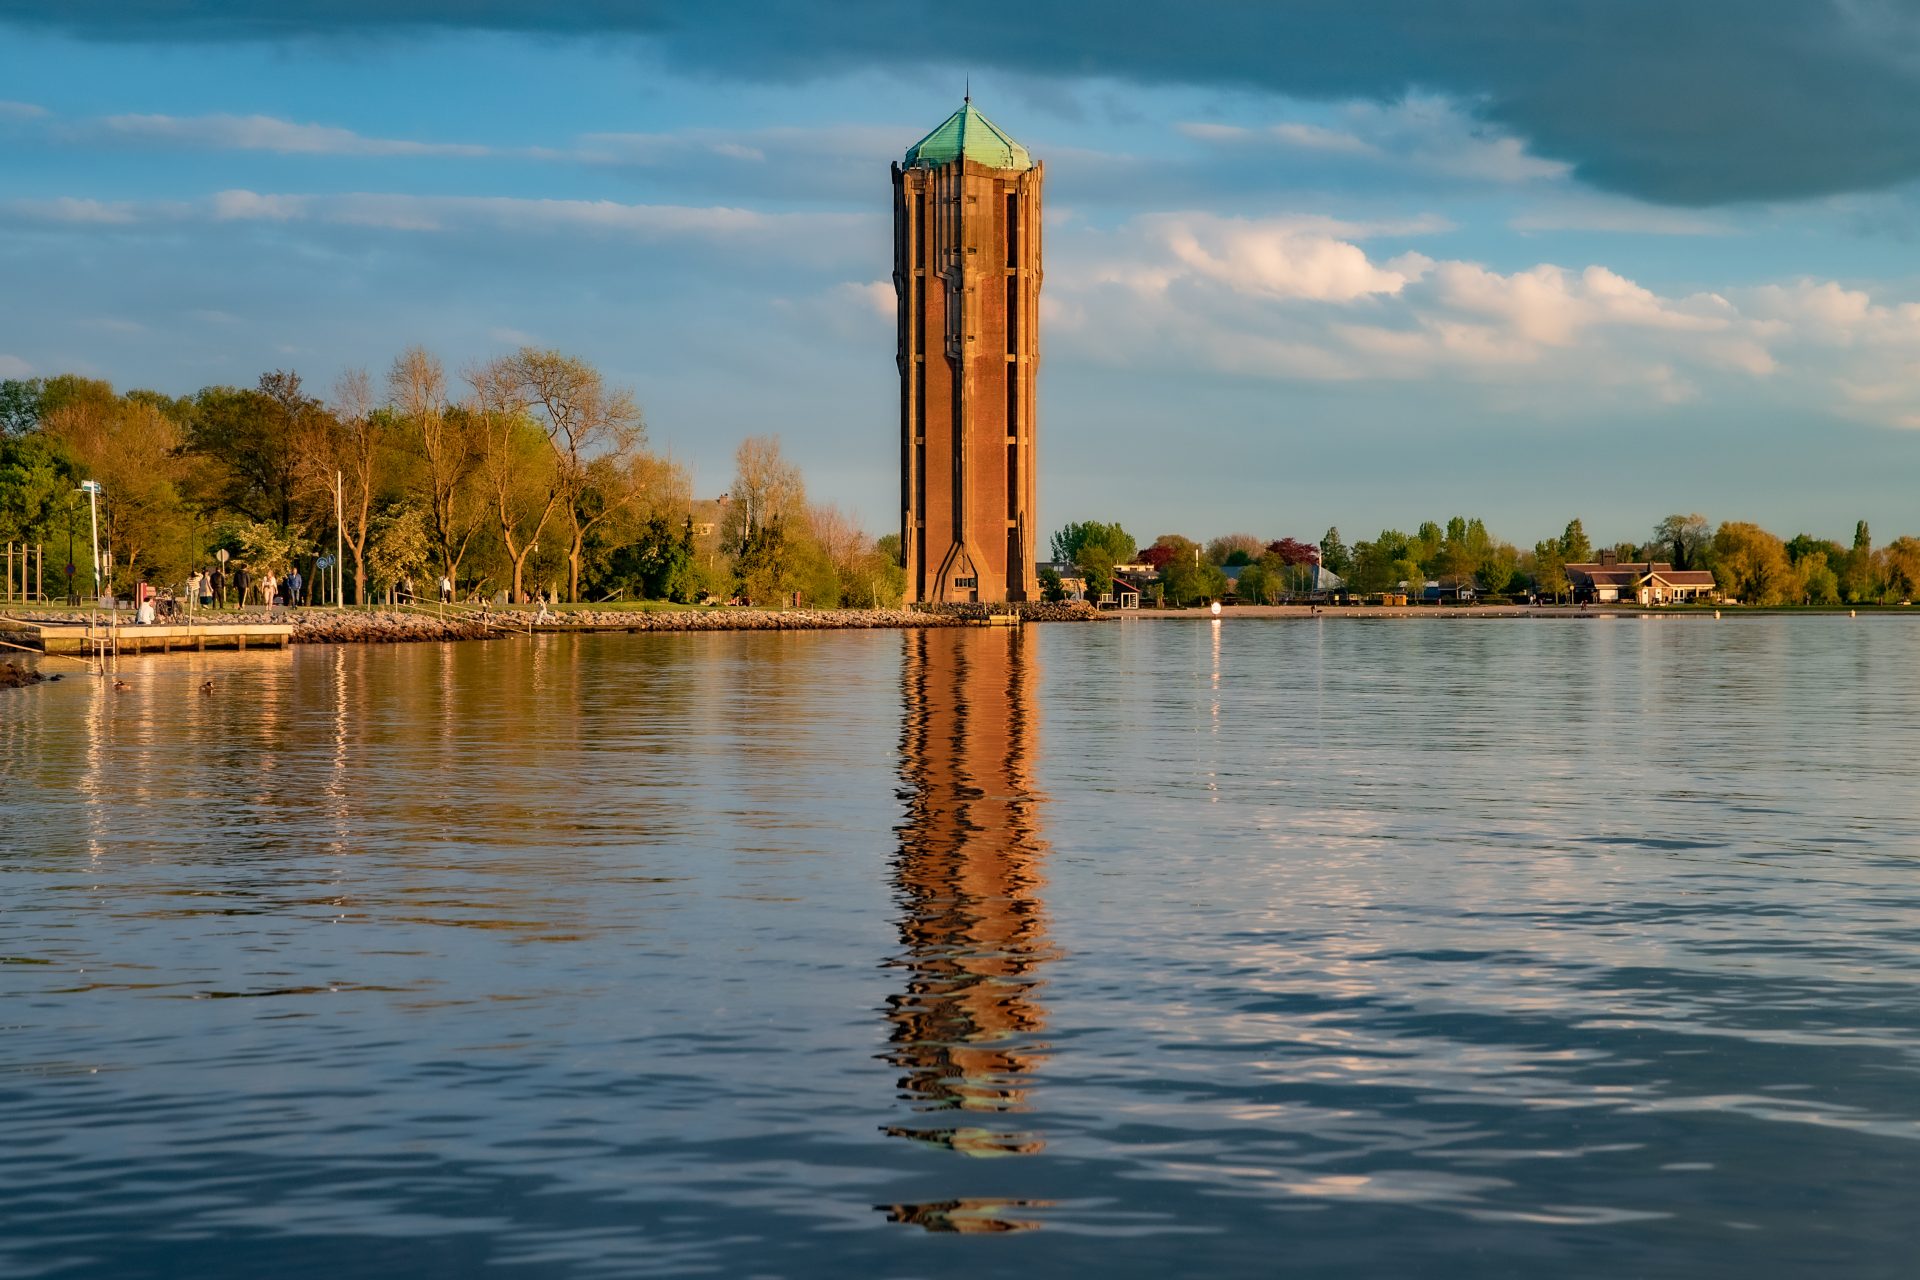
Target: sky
pixel 1322 262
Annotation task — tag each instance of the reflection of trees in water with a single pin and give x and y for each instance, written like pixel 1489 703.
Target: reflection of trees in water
pixel 973 926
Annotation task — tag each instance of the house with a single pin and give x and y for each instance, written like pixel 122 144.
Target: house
pixel 1610 580
pixel 1124 595
pixel 1666 585
pixel 1447 593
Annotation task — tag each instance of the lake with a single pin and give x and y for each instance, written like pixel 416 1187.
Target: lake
pixel 1575 947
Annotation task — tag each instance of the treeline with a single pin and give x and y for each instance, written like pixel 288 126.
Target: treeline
pixel 1748 563
pixel 530 475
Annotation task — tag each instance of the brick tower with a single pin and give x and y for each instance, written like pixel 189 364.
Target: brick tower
pixel 966 268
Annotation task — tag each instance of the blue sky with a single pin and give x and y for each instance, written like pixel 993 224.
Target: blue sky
pixel 1307 263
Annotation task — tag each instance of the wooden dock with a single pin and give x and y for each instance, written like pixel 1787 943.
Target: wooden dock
pixel 78 640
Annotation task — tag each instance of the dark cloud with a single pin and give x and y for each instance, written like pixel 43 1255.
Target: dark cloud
pixel 1691 102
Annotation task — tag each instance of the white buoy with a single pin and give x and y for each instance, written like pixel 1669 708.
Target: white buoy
pixel 1716 613
pixel 1850 613
pixel 1216 608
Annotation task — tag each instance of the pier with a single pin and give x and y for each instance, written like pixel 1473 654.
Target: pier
pixel 84 640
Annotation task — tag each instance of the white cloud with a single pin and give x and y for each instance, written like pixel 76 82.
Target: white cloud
pixel 14 367
pixel 1289 299
pixel 1425 133
pixel 1276 260
pixel 512 337
pixel 21 111
pixel 77 212
pixel 268 133
pixel 1608 214
pixel 416 213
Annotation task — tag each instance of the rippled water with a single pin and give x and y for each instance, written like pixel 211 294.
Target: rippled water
pixel 1565 948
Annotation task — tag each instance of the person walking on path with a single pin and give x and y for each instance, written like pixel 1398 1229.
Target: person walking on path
pixel 293 585
pixel 241 581
pixel 446 589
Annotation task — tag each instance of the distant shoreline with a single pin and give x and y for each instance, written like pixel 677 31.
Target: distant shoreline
pixel 1708 612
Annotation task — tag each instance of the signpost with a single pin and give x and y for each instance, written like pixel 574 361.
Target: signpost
pixel 92 489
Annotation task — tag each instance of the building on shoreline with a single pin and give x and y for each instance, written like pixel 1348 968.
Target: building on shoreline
pixel 1610 580
pixel 966 271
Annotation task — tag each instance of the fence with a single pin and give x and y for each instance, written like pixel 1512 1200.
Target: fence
pixel 26 575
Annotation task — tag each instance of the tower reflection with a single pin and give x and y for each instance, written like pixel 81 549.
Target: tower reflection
pixel 973 928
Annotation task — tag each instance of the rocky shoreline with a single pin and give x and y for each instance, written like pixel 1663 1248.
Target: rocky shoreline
pixel 15 676
pixel 389 626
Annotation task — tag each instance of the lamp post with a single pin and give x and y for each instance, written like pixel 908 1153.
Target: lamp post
pixel 92 489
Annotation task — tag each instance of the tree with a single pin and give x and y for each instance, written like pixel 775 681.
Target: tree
pixel 19 406
pixel 1901 563
pixel 1574 546
pixel 1071 543
pixel 1818 582
pixel 1254 584
pixel 1500 570
pixel 586 422
pixel 268 548
pixel 1375 563
pixel 1169 547
pixel 400 545
pixel 1184 582
pixel 1550 568
pixel 445 444
pixel 1860 573
pixel 1750 564
pixel 1051 588
pixel 1235 549
pixel 766 488
pixel 358 443
pixel 1334 554
pixel 1294 552
pixel 36 481
pixel 135 452
pixel 518 462
pixel 1684 539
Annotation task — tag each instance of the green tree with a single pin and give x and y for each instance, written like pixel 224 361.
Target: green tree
pixel 1750 564
pixel 250 444
pixel 1550 568
pixel 19 406
pixel 1051 589
pixel 1818 582
pixel 1334 555
pixel 1500 570
pixel 1574 545
pixel 1072 541
pixel 1859 572
pixel 36 483
pixel 1684 540
pixel 1374 563
pixel 1254 585
pixel 400 545
pixel 1901 566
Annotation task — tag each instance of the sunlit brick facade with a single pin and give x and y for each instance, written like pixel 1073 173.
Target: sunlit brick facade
pixel 966 237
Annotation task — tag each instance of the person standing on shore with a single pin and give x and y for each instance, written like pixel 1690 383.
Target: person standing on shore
pixel 241 581
pixel 217 584
pixel 293 585
pixel 446 589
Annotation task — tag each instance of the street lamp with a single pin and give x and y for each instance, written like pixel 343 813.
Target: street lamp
pixel 93 491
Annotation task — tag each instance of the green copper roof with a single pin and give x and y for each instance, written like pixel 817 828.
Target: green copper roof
pixel 970 134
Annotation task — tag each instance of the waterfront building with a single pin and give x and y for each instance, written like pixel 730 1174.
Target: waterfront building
pixel 1610 580
pixel 966 271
